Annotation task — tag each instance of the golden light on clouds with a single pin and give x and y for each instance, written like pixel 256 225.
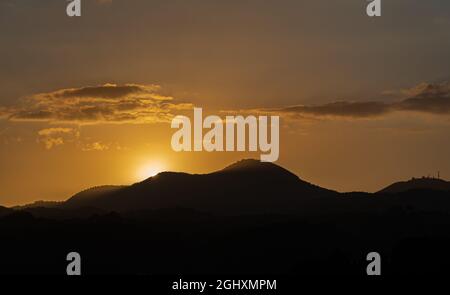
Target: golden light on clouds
pixel 89 105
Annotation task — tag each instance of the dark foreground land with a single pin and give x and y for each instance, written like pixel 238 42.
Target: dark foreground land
pixel 273 226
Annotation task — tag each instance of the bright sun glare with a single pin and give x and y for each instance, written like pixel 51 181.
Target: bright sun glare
pixel 149 170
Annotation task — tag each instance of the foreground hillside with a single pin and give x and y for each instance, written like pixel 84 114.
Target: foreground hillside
pixel 249 218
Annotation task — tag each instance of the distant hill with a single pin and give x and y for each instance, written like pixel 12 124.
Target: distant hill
pixel 246 186
pixel 84 198
pixel 424 183
pixel 38 204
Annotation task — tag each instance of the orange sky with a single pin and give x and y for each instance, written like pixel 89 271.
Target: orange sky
pixel 87 101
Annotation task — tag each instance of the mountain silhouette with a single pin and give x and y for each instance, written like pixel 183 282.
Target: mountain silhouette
pixel 424 183
pixel 255 166
pixel 248 186
pixel 90 195
pixel 249 218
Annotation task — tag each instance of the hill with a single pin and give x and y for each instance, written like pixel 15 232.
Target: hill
pixel 248 186
pixel 424 183
pixel 248 218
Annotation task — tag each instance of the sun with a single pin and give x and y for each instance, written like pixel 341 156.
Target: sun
pixel 149 170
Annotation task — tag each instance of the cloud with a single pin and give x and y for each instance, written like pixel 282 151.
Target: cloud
pixel 424 98
pixel 342 109
pixel 95 146
pixel 52 137
pixel 53 131
pixel 106 91
pixel 134 103
pixel 428 98
pixel 108 103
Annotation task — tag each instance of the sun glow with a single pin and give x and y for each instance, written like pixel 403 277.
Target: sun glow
pixel 149 170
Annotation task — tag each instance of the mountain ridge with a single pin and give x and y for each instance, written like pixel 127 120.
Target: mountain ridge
pixel 247 185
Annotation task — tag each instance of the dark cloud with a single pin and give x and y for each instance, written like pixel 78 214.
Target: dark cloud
pixel 424 98
pixel 109 103
pixel 342 109
pixel 106 91
pixel 430 98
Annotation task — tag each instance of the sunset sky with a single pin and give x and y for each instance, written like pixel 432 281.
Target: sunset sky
pixel 88 100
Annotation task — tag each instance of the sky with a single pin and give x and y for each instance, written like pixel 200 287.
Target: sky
pixel 88 100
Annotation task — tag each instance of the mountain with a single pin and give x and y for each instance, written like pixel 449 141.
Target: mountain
pixel 424 183
pixel 245 187
pixel 255 166
pixel 248 186
pixel 249 218
pixel 84 198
